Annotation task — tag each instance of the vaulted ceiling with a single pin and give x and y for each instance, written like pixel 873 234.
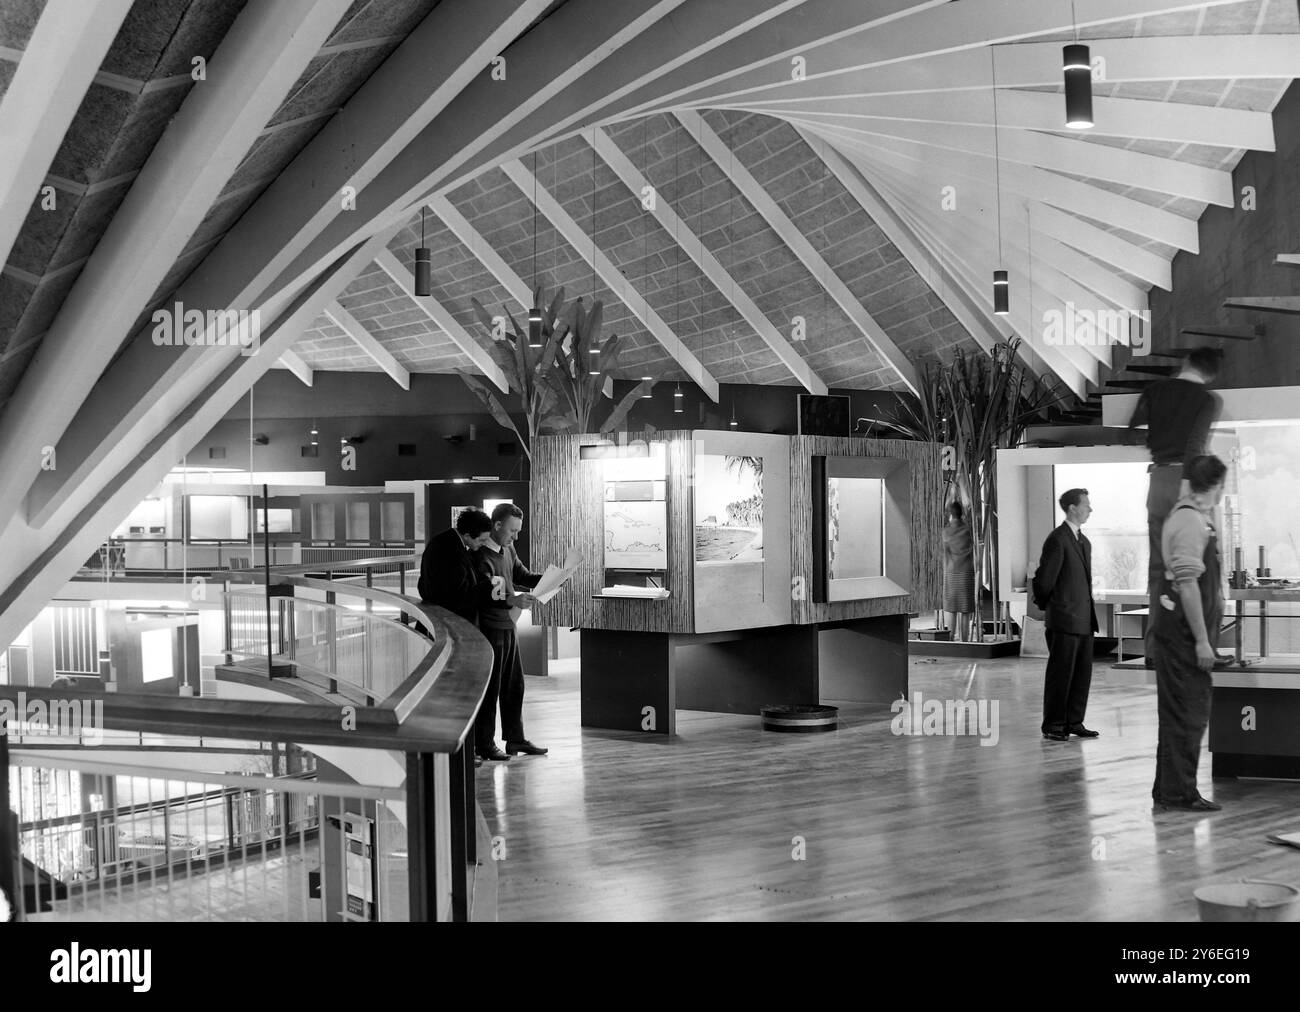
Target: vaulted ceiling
pixel 810 192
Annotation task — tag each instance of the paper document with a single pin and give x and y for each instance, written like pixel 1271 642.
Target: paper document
pixel 556 576
pixel 621 590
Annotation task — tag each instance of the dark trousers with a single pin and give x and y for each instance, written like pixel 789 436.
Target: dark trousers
pixel 1069 676
pixel 1183 693
pixel 1162 494
pixel 506 684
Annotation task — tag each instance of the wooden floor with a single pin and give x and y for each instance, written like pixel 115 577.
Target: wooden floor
pixel 615 826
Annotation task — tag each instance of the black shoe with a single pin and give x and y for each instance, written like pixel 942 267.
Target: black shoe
pixel 1056 736
pixel 1197 804
pixel 1079 731
pixel 494 754
pixel 524 747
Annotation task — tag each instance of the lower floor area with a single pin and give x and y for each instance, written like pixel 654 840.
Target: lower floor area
pixel 725 821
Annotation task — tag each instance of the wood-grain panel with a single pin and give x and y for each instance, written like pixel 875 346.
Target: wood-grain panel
pixel 925 462
pixel 568 502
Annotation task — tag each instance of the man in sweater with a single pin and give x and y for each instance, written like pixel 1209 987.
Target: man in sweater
pixel 449 570
pixel 1178 413
pixel 502 572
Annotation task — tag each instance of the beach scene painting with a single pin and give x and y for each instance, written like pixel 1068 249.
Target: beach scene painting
pixel 728 509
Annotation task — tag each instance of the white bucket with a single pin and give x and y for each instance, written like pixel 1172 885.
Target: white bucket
pixel 1248 900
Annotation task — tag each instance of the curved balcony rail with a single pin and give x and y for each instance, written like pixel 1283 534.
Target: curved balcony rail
pixel 416 675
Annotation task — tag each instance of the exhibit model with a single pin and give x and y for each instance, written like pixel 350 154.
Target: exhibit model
pixel 730 571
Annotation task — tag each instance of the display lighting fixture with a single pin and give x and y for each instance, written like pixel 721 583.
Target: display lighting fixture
pixel 535 313
pixel 1078 82
pixel 1001 283
pixel 423 264
pixel 649 394
pixel 314 433
pixel 734 423
pixel 677 400
pixel 593 364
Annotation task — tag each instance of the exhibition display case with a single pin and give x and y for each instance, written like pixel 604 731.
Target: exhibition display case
pixel 728 570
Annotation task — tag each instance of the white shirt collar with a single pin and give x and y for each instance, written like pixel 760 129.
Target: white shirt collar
pixel 493 546
pixel 1191 375
pixel 1073 527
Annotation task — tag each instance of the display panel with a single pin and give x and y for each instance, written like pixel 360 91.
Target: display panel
pixel 728 509
pixel 1117 528
pixel 635 519
pixel 855 516
pixel 861 528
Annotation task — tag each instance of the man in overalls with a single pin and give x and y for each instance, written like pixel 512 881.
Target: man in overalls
pixel 1189 612
pixel 1178 413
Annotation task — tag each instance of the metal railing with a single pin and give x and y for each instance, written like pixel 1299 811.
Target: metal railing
pixel 134 558
pixel 136 843
pixel 368 650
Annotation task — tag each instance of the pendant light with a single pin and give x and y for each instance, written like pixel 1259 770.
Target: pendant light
pixel 647 395
pixel 314 433
pixel 535 313
pixel 677 272
pixel 423 263
pixel 734 423
pixel 1078 82
pixel 593 353
pixel 1001 283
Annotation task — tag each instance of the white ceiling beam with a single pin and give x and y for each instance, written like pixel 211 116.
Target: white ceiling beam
pixel 589 32
pixel 250 74
pixel 368 343
pixel 448 324
pixel 613 278
pixel 686 238
pixel 1038 64
pixel 472 239
pixel 448 49
pixel 1063 154
pixel 36 564
pixel 1130 119
pixel 1052 225
pixel 926 265
pixel 1073 368
pixel 971 24
pixel 890 354
pixel 1105 246
pixel 1020 253
pixel 290 361
pixel 777 41
pixel 64 52
pixel 924 187
pixel 947 168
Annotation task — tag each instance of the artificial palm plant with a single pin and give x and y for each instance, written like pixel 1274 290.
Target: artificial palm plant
pixel 583 370
pixel 977 404
pixel 526 370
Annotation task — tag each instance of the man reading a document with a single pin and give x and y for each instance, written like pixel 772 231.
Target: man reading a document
pixel 502 573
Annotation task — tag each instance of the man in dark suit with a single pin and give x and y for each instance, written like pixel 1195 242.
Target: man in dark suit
pixel 1063 589
pixel 448 570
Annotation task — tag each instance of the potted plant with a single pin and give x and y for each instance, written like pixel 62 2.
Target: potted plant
pixel 975 405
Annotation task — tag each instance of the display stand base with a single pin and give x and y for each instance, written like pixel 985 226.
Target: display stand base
pixel 635 681
pixel 960 648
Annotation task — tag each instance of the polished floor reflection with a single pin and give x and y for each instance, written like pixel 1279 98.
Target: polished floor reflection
pixel 729 822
